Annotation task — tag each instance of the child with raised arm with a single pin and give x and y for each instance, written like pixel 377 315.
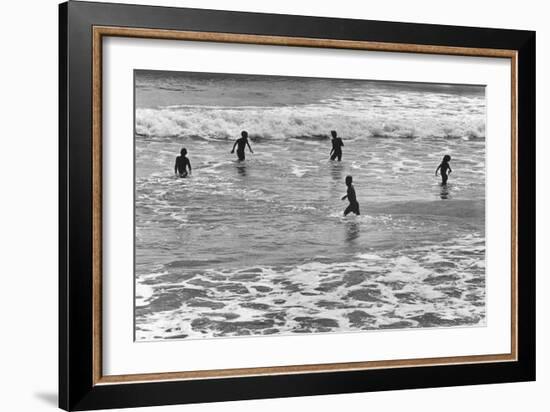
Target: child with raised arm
pixel 353 204
pixel 241 145
pixel 182 164
pixel 444 166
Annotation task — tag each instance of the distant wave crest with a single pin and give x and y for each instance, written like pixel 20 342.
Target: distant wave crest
pixel 219 123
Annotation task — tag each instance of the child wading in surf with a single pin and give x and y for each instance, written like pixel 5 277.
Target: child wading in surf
pixel 337 144
pixel 241 145
pixel 444 166
pixel 182 164
pixel 353 204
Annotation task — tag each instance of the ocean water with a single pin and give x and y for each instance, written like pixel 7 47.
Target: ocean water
pixel 261 247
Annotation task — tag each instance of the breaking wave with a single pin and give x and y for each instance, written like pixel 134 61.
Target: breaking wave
pixel 310 121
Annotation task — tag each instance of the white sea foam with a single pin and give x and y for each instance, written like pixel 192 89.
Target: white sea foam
pixel 368 256
pixel 305 121
pixel 427 286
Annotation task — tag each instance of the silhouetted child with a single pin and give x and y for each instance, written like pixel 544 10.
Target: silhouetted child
pixel 444 166
pixel 353 204
pixel 182 164
pixel 337 145
pixel 241 145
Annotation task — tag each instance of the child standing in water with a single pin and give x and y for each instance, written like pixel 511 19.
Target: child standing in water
pixel 241 145
pixel 444 166
pixel 353 204
pixel 182 164
pixel 337 145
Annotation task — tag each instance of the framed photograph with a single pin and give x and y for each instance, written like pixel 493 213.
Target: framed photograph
pixel 256 206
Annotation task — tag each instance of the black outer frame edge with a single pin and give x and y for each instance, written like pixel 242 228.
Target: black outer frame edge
pixel 526 222
pixel 192 19
pixel 63 376
pixel 75 357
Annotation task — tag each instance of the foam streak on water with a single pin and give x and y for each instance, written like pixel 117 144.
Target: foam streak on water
pixel 422 288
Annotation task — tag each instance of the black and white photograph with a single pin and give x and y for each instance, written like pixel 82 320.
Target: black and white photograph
pixel 215 206
pixel 269 205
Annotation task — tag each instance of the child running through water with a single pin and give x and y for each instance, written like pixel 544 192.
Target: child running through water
pixel 444 166
pixel 241 145
pixel 353 204
pixel 182 164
